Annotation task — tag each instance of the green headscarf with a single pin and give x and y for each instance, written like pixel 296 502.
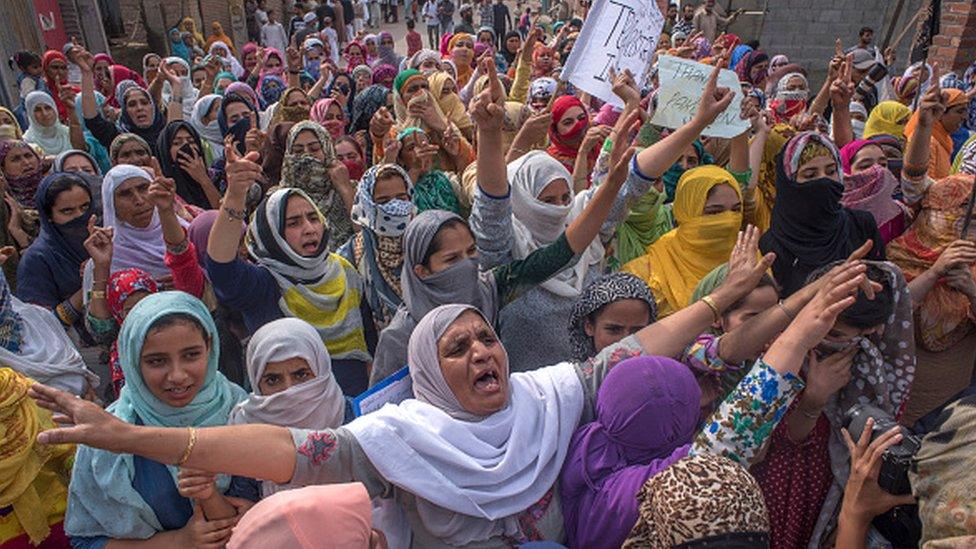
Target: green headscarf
pixel 649 218
pixel 710 282
pixel 675 172
pixel 402 78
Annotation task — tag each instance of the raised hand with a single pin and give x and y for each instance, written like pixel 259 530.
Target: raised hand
pixel 381 123
pixel 452 141
pixel 84 59
pixel 828 375
pixel 242 172
pixel 836 294
pixel 391 149
pixel 625 87
pixel 162 192
pixel 960 253
pixel 746 268
pixel 81 421
pixel 595 136
pixel 933 103
pixel 67 96
pixel 254 138
pixel 294 58
pixel 99 243
pixel 715 99
pixel 842 88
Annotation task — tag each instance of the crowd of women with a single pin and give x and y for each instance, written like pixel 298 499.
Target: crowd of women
pixel 614 334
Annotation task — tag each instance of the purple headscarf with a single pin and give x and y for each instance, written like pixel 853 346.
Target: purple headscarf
pixel 646 416
pixel 242 89
pixel 199 233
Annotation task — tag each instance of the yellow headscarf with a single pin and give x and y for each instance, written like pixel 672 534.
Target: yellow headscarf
pixel 37 491
pixel 451 105
pixel 884 120
pixel 18 133
pixel 677 261
pixel 766 187
pixel 190 26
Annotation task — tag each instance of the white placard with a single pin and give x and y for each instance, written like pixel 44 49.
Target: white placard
pixel 682 82
pixel 618 35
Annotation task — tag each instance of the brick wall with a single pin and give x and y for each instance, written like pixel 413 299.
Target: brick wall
pixel 955 45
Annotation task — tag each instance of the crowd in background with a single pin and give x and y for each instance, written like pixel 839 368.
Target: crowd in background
pixel 615 334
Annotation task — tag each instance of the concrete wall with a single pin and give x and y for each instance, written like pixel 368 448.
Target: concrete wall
pixel 805 30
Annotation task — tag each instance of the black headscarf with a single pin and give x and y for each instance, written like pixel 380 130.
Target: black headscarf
pixel 240 128
pixel 149 133
pixel 186 187
pixel 809 226
pixel 509 56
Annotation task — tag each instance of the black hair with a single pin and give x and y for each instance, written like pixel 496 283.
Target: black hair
pixel 438 241
pixel 173 319
pixel 63 182
pixel 766 281
pixel 23 59
pixel 864 30
pixel 411 24
pixel 754 44
pixel 866 313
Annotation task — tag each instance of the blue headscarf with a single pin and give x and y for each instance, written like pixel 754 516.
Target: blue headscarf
pixel 52 262
pixel 102 498
pixel 176 46
pixel 738 53
pixel 271 95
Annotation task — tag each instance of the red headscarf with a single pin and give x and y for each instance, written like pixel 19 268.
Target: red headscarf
pixel 121 285
pixel 565 148
pixel 49 57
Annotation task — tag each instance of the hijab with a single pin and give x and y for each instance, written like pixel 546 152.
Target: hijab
pixel 387 54
pixel 565 148
pixel 231 60
pixel 335 127
pixel 379 244
pixel 53 139
pixel 460 283
pixel 746 64
pixel 53 261
pixel 102 480
pixel 871 191
pixel 296 113
pixel 121 140
pixel 334 516
pixel 885 119
pixel 209 131
pixel 241 127
pixel 700 497
pixel 17 132
pixel 740 51
pixel 699 243
pixel 150 133
pixel 271 94
pixel 133 247
pixel 217 36
pixel 242 89
pixel 909 88
pixel 788 103
pixel 312 177
pixel 176 46
pixel 190 26
pixel 120 287
pixel 646 418
pixel 431 447
pixel 322 289
pixel 810 227
pixel 676 170
pixel 186 187
pixel 943 318
pixel 314 404
pixel 537 224
pixel 49 57
pixel 940 150
pixel 98 152
pixel 464 68
pixel 609 289
pixel 451 104
pixel 23 187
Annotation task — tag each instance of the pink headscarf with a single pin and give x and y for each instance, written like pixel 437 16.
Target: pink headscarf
pixel 850 150
pixel 329 516
pixel 336 128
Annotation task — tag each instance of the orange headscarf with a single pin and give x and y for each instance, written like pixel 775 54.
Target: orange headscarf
pixel 217 34
pixel 940 150
pixel 464 69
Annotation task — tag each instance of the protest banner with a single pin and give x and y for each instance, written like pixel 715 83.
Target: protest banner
pixel 619 35
pixel 682 82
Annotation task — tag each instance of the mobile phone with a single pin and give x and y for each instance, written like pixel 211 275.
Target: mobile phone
pixel 188 150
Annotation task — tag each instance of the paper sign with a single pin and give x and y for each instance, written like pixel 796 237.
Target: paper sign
pixel 682 82
pixel 618 35
pixel 393 390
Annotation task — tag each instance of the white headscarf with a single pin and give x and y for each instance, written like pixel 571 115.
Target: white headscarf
pixel 54 139
pixel 133 247
pixel 188 91
pixel 235 66
pixel 315 404
pixel 211 131
pixel 46 355
pixel 472 475
pixel 537 224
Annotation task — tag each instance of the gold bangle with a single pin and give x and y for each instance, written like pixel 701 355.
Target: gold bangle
pixel 707 300
pixel 189 446
pixel 98 294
